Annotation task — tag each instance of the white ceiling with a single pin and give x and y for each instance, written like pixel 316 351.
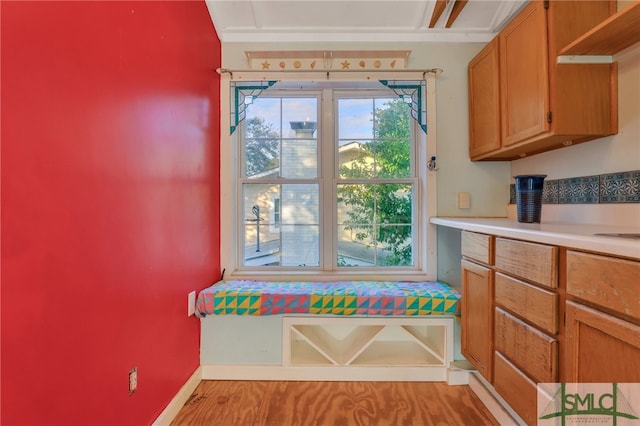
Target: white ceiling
pixel 359 20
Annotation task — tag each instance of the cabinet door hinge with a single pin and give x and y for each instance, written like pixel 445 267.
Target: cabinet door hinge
pixel 549 117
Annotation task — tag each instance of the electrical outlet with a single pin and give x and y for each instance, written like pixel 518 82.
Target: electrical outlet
pixel 192 304
pixel 133 380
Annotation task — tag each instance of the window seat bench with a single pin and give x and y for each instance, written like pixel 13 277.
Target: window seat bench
pixel 349 330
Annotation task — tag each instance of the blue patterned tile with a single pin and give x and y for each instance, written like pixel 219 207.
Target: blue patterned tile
pixel 550 192
pixel 579 190
pixel 620 187
pixel 623 187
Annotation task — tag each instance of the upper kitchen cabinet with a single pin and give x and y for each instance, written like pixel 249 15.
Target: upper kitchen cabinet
pixel 542 105
pixel 484 101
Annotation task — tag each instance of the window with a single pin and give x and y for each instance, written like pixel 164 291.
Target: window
pixel 330 178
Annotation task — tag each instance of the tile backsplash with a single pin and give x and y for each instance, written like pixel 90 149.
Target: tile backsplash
pixel 610 188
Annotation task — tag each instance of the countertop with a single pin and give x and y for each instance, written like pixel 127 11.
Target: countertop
pixel 578 236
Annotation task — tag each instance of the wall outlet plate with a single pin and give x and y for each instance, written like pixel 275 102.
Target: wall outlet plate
pixel 464 200
pixel 192 304
pixel 133 380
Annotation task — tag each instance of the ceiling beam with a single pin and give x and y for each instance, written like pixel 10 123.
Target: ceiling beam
pixel 437 11
pixel 457 8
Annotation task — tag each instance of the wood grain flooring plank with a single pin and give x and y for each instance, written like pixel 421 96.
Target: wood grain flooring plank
pixel 222 403
pixel 325 403
pixel 287 403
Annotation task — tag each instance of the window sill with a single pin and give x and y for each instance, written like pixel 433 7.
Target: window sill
pixel 329 276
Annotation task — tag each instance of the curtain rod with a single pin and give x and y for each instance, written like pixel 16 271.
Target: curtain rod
pixel 424 72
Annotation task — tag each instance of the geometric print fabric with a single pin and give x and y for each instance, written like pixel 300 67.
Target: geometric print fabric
pixel 385 298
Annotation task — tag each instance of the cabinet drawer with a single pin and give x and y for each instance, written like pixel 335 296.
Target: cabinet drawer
pixel 534 262
pixel 531 350
pixel 536 305
pixel 516 388
pixel 477 247
pixel 606 281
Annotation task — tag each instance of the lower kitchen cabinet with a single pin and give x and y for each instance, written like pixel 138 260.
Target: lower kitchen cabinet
pixel 477 317
pixel 525 322
pixel 602 319
pixel 536 309
pixel 509 316
pixel 537 313
pixel 601 348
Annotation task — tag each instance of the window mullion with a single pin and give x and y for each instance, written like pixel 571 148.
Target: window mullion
pixel 328 160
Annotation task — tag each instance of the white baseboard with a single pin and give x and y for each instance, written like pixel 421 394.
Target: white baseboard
pixel 329 373
pixel 494 403
pixel 456 377
pixel 178 401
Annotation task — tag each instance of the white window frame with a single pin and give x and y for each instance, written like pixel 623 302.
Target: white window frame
pixel 425 201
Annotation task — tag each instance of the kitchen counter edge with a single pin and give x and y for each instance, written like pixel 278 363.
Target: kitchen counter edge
pixel 570 235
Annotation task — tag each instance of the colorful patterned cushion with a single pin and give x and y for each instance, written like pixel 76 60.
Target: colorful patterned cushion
pixel 402 298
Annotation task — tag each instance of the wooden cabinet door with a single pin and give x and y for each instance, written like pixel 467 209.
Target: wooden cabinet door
pixel 484 101
pixel 477 317
pixel 600 347
pixel 524 75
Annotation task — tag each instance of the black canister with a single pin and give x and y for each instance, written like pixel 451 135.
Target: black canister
pixel 529 190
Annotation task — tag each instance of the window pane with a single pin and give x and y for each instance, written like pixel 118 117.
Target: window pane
pixel 280 138
pixel 261 236
pixel 356 204
pixel 355 119
pixel 299 110
pixel 300 204
pixel 355 246
pixel 392 130
pixel 393 203
pixel 388 153
pixel 395 244
pixel 262 138
pixel 281 225
pixel 391 119
pixel 375 219
pixel 299 158
pixel 392 158
pixel 355 160
pixel 267 111
pixel 300 146
pixel 300 245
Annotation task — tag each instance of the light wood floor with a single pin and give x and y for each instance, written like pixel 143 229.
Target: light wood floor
pixel 260 403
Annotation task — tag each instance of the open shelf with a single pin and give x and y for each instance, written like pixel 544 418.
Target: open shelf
pixel 432 339
pixel 370 341
pixel 395 353
pixel 333 344
pixel 614 34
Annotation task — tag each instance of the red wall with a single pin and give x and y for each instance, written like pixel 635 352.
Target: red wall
pixel 109 214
